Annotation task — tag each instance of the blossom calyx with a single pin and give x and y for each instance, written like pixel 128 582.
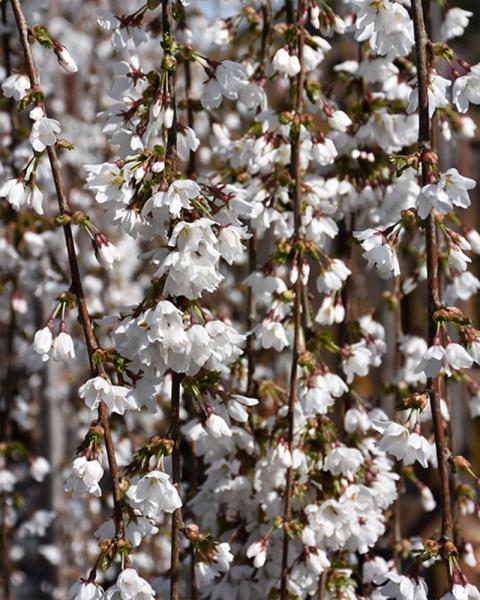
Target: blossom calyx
pixel 449 550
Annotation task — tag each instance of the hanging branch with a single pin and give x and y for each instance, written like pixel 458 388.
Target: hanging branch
pixel 425 150
pixel 192 166
pixel 253 242
pixel 5 438
pixel 190 459
pixel 5 410
pixel 398 363
pixel 76 281
pixel 169 62
pixel 297 302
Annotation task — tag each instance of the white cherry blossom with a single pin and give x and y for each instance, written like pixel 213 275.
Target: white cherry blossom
pixel 85 477
pixel 153 494
pixel 117 398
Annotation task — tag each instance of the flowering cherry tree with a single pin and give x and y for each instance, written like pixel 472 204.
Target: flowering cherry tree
pixel 243 369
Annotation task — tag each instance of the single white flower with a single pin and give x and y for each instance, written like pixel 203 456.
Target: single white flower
pixel 286 63
pixel 44 130
pixel 230 243
pixel 16 86
pixel 405 446
pixel 228 80
pixel 217 426
pixel 179 195
pixel 40 468
pixel 105 252
pixel 42 342
pixel 64 58
pixel 7 480
pixel 356 360
pixel 373 567
pixel 379 252
pixel 437 94
pixel 427 499
pixel 271 334
pixel 83 590
pixel 63 347
pixel 206 572
pixel 401 587
pixel 454 24
pixel 237 407
pixel 324 152
pixel 343 461
pixel 85 477
pixel 187 141
pixel 154 493
pixel 339 120
pixel 332 278
pixel 130 586
pixel 316 560
pixel 258 551
pixel 466 89
pixel 117 398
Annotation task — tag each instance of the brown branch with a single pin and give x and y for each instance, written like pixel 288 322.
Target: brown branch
pixel 424 145
pixel 295 171
pixel 76 281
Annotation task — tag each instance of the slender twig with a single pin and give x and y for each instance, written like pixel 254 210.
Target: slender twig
pixel 76 281
pixel 295 171
pixel 424 145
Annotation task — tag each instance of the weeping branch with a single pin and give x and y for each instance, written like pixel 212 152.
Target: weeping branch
pixel 295 171
pixel 76 280
pixel 425 149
